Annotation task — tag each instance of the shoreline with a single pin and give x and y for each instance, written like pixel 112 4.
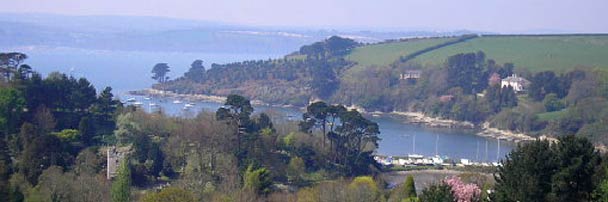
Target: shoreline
pixel 168 94
pixel 411 117
pixel 433 122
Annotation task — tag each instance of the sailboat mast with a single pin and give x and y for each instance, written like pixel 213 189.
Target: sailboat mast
pixel 498 150
pixel 414 145
pixel 486 157
pixel 436 144
pixel 477 151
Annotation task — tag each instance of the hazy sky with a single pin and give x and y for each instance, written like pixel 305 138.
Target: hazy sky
pixel 482 15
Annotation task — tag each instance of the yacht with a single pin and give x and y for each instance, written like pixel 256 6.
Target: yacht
pixel 131 100
pixel 177 102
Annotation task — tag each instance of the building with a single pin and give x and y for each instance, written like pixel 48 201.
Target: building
pixel 518 84
pixel 114 157
pixel 410 74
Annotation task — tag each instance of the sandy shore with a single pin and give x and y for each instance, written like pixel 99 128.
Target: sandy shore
pixel 169 94
pixel 420 118
pixel 488 131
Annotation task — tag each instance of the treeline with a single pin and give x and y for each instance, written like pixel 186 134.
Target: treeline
pixel 466 88
pixel 451 91
pixel 571 103
pixel 58 151
pixel 311 71
pixel 48 125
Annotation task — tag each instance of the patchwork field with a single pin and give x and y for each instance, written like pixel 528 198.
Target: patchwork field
pixel 387 53
pixel 535 53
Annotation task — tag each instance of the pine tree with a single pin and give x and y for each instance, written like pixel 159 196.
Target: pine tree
pixel 121 188
pixel 577 160
pixel 525 175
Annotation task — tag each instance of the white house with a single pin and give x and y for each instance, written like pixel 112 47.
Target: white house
pixel 518 84
pixel 410 74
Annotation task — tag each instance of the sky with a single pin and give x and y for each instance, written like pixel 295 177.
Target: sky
pixel 505 16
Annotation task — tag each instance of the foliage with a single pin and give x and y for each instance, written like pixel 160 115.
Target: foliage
pixel 57 185
pixel 437 193
pixel 539 171
pixel 296 170
pixel 121 187
pixel 169 194
pixel 11 108
pixel 466 71
pixel 352 137
pixel 159 72
pixel 43 152
pixel 257 180
pixel 577 161
pixel 547 82
pixel 499 97
pixel 196 72
pixel 552 103
pixel 68 135
pixel 364 188
pixel 333 46
pixel 409 187
pixel 126 129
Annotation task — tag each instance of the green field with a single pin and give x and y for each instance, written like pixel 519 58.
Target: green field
pixel 535 53
pixel 387 53
pixel 548 116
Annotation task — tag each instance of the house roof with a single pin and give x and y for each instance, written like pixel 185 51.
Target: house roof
pixel 516 79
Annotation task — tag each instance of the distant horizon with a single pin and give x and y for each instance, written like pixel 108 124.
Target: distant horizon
pixel 505 17
pixel 313 28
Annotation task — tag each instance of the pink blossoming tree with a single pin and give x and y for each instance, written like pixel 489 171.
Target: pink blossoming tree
pixel 464 192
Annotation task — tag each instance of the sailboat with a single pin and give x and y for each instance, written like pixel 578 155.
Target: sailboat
pixel 414 155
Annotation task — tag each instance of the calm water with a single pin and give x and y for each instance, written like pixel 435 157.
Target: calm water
pixel 127 70
pixel 397 136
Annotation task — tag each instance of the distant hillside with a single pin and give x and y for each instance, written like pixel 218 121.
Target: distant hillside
pixel 145 33
pixel 534 53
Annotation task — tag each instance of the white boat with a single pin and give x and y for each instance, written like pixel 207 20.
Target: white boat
pixel 138 103
pixel 153 105
pixel 131 100
pixel 177 102
pixel 147 98
pixel 189 105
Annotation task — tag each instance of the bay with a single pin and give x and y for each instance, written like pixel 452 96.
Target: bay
pixel 130 70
